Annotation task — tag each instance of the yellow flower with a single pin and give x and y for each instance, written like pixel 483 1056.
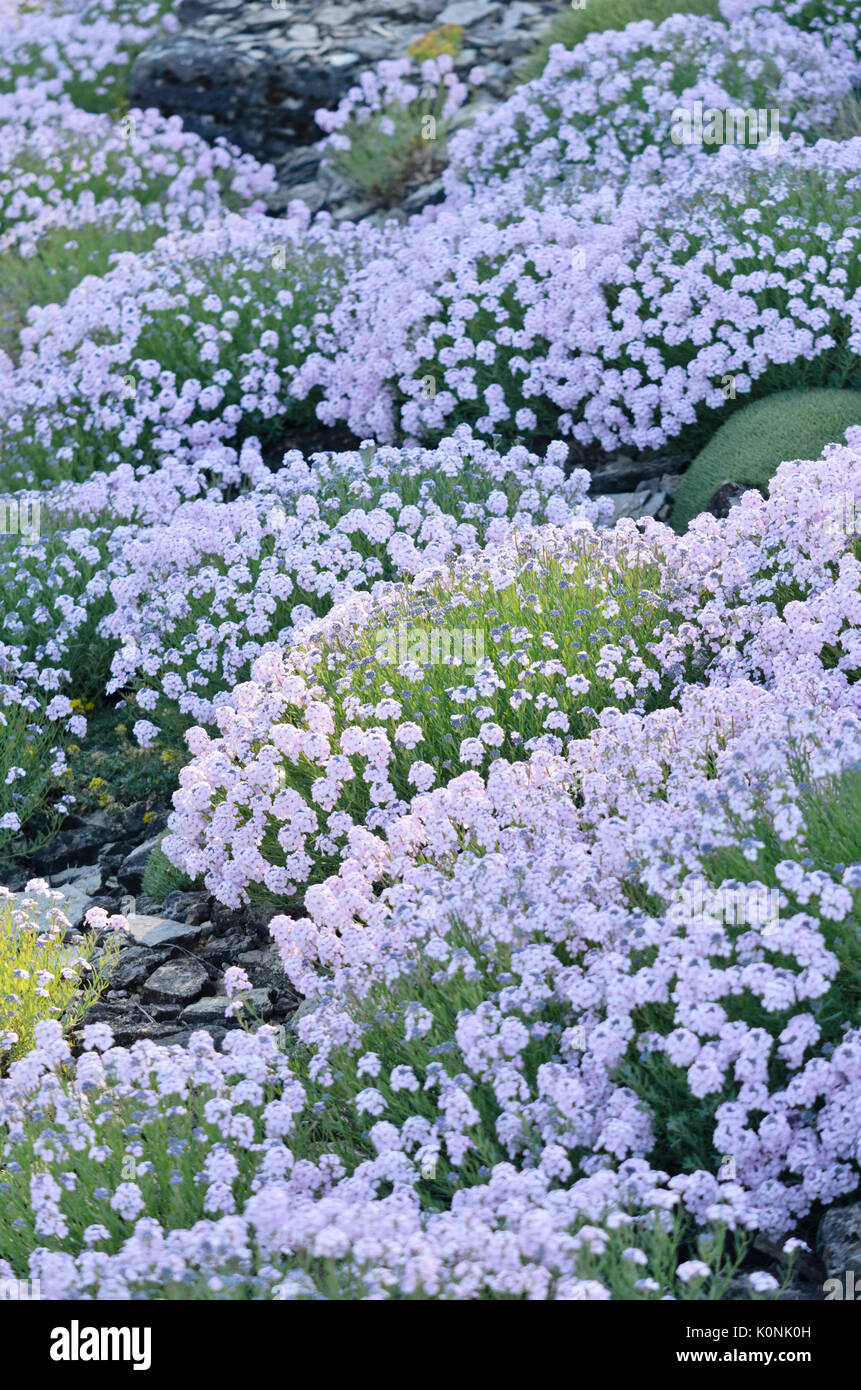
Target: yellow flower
pixel 447 39
pixel 148 816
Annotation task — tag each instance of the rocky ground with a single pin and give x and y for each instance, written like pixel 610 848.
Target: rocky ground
pixel 255 71
pixel 169 980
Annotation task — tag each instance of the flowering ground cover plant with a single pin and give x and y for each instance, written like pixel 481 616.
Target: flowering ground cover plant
pixel 83 50
pixel 836 20
pixel 612 98
pixel 386 699
pixel 393 126
pixel 554 824
pixel 620 319
pixel 40 976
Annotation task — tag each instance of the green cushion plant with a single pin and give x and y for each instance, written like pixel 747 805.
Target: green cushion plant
pixel 752 444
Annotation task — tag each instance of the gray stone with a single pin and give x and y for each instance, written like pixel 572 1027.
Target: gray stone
pixel 257 1003
pixel 162 931
pixel 621 472
pixel 87 881
pixel 127 1033
pixel 134 966
pixel 727 496
pixel 264 968
pixel 422 197
pixel 76 845
pixel 187 907
pixel 176 982
pixel 163 1013
pixel 205 1011
pixel 130 873
pixel 636 504
pixel 838 1240
pixel 256 73
pixel 467 12
pixel 180 1039
pixel 262 100
pixel 304 33
pixel 74 904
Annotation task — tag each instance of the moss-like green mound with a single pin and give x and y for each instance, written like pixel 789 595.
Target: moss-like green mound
pixel 752 444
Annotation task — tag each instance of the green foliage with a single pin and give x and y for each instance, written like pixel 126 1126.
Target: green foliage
pixel 109 770
pixel 59 262
pixel 448 38
pixel 831 814
pixel 41 976
pixel 161 877
pixel 751 445
pixel 558 637
pixel 399 146
pixel 27 744
pixel 572 26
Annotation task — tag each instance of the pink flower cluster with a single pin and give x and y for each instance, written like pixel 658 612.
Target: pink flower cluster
pixel 603 111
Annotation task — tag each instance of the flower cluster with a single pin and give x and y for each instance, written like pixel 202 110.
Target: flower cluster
pixel 559 824
pixel 618 318
pixel 318 1224
pixel 604 111
pixel 392 693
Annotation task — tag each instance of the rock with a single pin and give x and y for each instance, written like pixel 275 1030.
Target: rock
pixel 146 905
pixel 78 844
pixel 423 197
pixel 135 1030
pixel 187 907
pixel 838 1240
pixel 226 949
pixel 144 818
pixel 205 1011
pixel 257 72
pixel 131 871
pixel 466 12
pixel 621 472
pixel 135 965
pixel 180 1039
pixel 643 502
pixel 87 881
pixel 75 904
pixel 176 982
pixel 257 1003
pixel 727 496
pixel 110 857
pixel 162 1013
pixel 259 97
pixel 263 967
pixel 162 931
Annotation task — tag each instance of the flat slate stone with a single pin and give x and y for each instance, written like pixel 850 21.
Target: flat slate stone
pixel 162 931
pixel 176 982
pixel 205 1011
pixel 130 873
pixel 134 966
